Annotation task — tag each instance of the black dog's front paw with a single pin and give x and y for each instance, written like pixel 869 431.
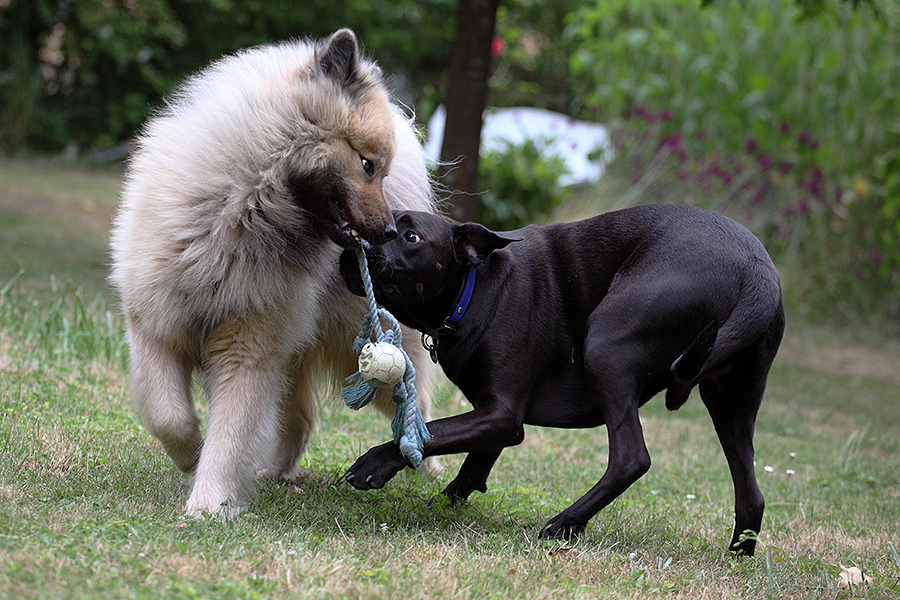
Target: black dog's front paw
pixel 561 527
pixel 376 467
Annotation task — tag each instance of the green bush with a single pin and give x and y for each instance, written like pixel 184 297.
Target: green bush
pixel 791 119
pixel 520 183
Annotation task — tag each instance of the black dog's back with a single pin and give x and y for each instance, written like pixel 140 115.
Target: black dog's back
pixel 696 270
pixel 691 252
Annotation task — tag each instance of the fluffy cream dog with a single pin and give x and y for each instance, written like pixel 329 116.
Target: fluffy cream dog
pixel 225 248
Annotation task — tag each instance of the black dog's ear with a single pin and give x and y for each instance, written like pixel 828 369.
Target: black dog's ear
pixel 472 243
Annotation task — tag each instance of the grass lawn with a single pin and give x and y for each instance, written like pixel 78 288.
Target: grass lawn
pixel 90 506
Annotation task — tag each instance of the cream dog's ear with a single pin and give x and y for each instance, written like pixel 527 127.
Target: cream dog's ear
pixel 338 56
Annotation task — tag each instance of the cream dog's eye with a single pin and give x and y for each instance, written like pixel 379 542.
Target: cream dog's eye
pixel 368 166
pixel 412 237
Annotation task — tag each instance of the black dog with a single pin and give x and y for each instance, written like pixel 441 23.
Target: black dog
pixel 577 325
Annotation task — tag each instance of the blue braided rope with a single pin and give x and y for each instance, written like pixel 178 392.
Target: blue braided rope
pixel 408 427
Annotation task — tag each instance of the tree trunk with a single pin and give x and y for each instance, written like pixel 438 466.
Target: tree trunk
pixel 466 98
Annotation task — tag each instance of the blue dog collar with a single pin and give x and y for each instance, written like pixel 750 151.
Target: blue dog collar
pixel 464 299
pixel 452 321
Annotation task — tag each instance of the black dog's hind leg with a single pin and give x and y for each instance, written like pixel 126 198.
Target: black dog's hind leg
pixel 733 401
pixel 472 476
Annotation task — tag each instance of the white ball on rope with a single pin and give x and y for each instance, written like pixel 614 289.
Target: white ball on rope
pixel 381 364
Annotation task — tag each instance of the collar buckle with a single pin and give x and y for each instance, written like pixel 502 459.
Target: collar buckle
pixel 445 328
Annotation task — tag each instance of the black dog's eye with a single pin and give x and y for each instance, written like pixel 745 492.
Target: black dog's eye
pixel 368 166
pixel 411 236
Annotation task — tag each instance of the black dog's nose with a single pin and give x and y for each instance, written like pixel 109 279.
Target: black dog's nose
pixel 390 231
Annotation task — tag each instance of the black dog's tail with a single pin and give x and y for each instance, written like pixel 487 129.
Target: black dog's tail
pixel 688 367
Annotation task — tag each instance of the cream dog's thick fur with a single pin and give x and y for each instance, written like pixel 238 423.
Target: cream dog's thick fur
pixel 225 259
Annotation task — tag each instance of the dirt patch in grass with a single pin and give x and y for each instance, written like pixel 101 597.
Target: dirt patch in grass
pixel 85 214
pixel 882 364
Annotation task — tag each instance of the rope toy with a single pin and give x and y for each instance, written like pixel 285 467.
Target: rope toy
pixel 384 363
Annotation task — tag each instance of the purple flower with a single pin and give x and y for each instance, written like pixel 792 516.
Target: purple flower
pixel 645 114
pixel 722 174
pixel 751 145
pixel 804 137
pixel 785 127
pixel 876 254
pixel 765 163
pixel 816 188
pixel 673 141
pixel 666 115
pixel 784 167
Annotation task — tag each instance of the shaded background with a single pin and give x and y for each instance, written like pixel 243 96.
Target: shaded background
pixel 783 114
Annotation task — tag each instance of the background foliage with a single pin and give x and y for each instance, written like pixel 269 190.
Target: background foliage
pixel 89 72
pixel 521 185
pixel 783 114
